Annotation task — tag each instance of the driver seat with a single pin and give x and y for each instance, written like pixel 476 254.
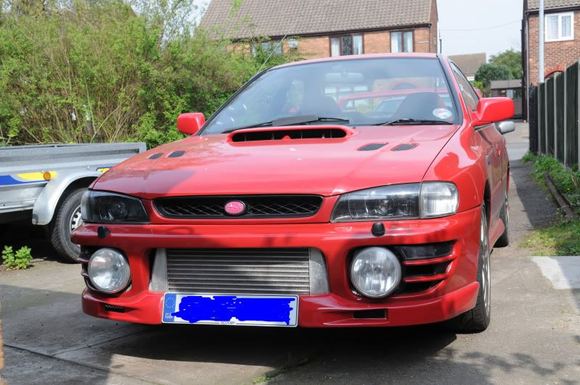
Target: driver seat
pixel 419 106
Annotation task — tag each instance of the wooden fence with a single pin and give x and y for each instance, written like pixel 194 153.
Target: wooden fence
pixel 553 116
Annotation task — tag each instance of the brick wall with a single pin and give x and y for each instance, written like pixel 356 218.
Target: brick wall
pixel 377 42
pixel 557 54
pixel 374 42
pixel 434 28
pixel 313 47
pixel 423 40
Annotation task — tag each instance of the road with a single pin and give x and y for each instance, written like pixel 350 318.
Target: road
pixel 534 337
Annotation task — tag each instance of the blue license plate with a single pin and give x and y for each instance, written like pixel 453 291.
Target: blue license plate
pixel 230 310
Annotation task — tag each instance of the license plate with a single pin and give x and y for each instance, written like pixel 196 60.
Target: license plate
pixel 237 310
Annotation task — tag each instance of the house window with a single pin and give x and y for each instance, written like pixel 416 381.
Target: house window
pixel 268 48
pixel 402 41
pixel 346 45
pixel 560 26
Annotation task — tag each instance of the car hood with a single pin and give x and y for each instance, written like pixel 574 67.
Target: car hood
pixel 216 165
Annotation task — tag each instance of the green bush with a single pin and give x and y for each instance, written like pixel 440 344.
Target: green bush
pixel 16 260
pixel 109 70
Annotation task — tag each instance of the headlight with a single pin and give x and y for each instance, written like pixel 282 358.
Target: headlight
pixel 104 207
pixel 438 199
pixel 418 200
pixel 108 271
pixel 375 272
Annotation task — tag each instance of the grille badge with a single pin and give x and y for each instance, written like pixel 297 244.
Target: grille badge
pixel 235 208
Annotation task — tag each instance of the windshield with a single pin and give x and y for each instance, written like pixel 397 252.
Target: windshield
pixel 356 92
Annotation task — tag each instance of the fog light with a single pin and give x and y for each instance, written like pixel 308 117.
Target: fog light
pixel 109 271
pixel 375 272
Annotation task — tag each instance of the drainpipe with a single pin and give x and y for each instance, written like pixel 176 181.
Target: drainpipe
pixel 541 47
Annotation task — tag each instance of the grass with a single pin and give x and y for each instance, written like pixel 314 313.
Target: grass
pixel 567 180
pixel 562 238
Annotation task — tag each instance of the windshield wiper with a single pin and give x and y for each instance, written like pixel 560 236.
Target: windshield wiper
pixel 292 120
pixel 412 122
pixel 265 124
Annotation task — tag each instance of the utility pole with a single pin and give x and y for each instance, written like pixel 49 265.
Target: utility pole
pixel 541 47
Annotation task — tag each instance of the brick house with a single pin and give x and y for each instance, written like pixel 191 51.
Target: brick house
pixel 323 28
pixel 562 36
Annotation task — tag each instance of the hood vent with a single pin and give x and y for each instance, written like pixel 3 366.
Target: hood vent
pixel 372 146
pixel 404 147
pixel 298 133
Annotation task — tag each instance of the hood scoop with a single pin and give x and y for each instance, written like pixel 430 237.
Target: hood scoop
pixel 296 133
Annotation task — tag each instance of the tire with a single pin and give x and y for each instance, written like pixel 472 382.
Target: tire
pixel 477 319
pixel 504 239
pixel 67 219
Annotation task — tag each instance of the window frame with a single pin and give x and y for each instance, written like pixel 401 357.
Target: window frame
pixel 274 47
pixel 402 32
pixel 560 16
pixel 339 37
pixel 457 73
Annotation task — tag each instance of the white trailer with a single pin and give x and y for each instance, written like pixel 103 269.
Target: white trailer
pixel 45 184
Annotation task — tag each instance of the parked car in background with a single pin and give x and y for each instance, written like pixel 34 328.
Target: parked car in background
pixel 298 205
pixel 44 184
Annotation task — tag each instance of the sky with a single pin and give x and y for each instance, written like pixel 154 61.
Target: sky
pixel 473 26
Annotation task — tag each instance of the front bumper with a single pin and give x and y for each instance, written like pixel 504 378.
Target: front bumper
pixel 455 292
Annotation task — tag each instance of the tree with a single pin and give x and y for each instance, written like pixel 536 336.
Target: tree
pixel 506 65
pixel 488 72
pixel 110 70
pixel 510 59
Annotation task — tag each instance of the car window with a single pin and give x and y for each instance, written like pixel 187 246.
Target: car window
pixel 469 94
pixel 362 91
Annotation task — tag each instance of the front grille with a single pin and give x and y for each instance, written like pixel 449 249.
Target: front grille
pixel 275 206
pixel 238 271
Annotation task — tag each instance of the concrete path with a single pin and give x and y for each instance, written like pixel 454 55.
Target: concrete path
pixel 534 337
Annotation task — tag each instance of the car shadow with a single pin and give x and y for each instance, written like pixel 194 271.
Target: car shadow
pixel 19 234
pixel 65 346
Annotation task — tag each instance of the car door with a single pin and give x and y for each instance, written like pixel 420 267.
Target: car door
pixel 492 144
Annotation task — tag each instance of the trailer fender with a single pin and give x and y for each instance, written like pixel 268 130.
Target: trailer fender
pixel 47 202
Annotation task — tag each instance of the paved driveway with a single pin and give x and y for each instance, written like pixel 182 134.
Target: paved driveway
pixel 534 337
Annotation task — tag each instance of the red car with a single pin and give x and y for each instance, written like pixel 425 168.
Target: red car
pixel 285 210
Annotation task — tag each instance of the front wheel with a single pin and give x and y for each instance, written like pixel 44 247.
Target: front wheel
pixel 477 319
pixel 67 219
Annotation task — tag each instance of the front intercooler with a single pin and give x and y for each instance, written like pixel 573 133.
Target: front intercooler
pixel 296 271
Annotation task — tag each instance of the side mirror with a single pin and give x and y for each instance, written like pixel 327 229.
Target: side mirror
pixel 506 127
pixel 493 110
pixel 190 123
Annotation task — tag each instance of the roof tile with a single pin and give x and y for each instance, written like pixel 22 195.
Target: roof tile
pixel 553 4
pixel 469 63
pixel 303 17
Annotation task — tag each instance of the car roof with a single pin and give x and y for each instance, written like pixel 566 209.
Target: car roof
pixel 361 57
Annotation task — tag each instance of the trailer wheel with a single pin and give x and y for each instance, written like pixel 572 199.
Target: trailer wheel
pixel 67 219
